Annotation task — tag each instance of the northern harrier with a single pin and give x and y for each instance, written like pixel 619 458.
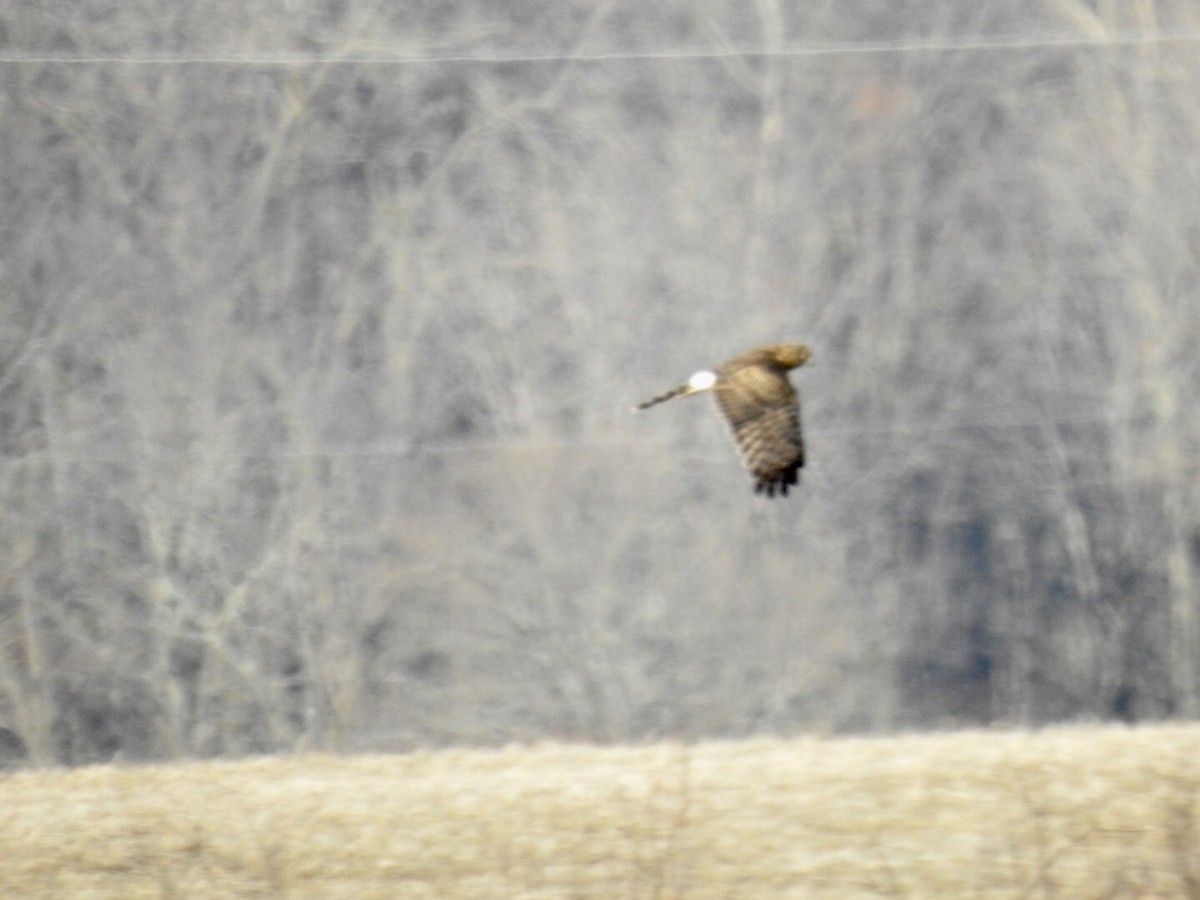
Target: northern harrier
pixel 763 409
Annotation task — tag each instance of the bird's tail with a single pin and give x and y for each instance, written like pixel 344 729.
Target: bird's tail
pixel 663 398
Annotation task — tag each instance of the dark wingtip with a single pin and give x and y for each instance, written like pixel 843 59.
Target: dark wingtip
pixel 778 481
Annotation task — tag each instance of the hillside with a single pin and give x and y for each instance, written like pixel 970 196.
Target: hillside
pixel 1078 812
pixel 321 323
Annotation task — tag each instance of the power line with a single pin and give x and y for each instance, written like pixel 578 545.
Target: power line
pixel 432 449
pixel 790 50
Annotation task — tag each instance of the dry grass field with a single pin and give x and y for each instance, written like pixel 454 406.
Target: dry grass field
pixel 1072 812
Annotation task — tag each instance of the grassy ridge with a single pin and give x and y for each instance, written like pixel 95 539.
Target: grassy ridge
pixel 1079 812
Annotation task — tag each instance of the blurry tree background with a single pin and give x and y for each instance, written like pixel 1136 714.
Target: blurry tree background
pixel 320 324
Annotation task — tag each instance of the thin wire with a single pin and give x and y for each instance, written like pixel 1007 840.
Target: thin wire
pixel 423 449
pixel 833 48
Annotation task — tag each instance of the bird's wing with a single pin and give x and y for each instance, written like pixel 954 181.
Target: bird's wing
pixel 763 410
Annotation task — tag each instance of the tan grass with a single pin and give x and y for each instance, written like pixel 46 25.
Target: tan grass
pixel 1080 812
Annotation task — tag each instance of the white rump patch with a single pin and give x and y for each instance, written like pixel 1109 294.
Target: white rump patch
pixel 702 381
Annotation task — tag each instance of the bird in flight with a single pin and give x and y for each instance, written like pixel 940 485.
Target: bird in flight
pixel 763 409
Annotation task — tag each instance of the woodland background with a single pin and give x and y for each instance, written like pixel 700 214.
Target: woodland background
pixel 320 323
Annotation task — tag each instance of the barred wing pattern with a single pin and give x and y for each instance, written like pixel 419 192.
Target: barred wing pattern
pixel 763 410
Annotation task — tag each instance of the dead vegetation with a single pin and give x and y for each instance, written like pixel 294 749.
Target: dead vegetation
pixel 1080 812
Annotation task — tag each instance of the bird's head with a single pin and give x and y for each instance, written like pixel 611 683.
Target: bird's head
pixel 790 356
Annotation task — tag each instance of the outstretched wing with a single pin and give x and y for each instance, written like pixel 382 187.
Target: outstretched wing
pixel 763 410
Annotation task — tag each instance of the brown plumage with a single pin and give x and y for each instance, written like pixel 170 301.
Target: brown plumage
pixel 763 409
